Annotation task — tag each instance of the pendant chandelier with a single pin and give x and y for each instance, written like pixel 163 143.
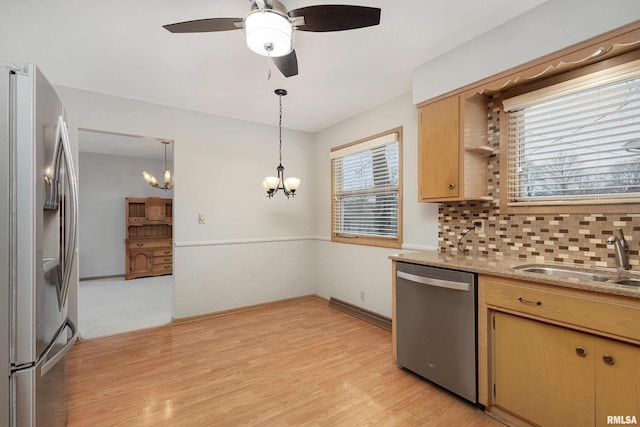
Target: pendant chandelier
pixel 152 181
pixel 272 184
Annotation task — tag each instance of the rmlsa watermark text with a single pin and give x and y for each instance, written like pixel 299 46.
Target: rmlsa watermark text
pixel 621 419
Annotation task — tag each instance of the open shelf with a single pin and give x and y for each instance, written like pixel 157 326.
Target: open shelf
pixel 481 149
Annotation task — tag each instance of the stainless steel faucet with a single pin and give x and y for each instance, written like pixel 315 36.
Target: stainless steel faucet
pixel 622 250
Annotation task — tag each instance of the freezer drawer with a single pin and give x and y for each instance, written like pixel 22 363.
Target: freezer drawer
pixel 436 326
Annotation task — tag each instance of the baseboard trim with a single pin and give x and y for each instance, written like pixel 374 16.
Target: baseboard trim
pixel 179 320
pixel 361 313
pixel 112 276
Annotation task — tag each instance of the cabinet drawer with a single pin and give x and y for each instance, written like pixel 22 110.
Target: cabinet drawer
pixel 162 259
pixel 608 314
pixel 162 267
pixel 136 220
pixel 140 244
pixel 162 252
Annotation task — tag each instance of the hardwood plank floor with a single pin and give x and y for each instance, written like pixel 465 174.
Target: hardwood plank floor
pixel 290 364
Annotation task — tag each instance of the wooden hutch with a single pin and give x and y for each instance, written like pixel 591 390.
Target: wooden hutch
pixel 149 249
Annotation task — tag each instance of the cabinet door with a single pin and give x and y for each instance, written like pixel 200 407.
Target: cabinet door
pixel 617 380
pixel 155 212
pixel 541 374
pixel 139 261
pixel 438 149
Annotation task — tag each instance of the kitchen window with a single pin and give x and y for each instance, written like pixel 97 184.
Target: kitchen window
pixel 576 142
pixel 366 191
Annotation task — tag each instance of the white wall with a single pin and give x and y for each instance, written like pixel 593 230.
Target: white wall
pixel 344 270
pixel 254 250
pixel 552 26
pixel 259 248
pixel 104 182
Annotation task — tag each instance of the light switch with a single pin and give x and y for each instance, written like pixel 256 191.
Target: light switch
pixel 201 219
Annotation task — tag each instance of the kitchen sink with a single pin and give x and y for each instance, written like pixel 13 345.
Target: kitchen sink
pixel 627 282
pixel 577 274
pixel 561 272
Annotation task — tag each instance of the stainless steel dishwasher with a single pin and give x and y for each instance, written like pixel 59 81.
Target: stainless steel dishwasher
pixel 436 326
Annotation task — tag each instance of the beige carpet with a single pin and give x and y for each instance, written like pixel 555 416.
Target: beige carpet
pixel 112 306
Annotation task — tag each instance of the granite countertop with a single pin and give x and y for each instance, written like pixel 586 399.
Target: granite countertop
pixel 503 267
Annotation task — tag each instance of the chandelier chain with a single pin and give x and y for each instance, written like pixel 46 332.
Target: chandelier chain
pixel 280 128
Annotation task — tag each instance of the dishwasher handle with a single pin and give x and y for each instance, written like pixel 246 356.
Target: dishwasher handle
pixel 448 284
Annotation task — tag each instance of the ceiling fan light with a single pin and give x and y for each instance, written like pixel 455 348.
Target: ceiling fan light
pixel 268 29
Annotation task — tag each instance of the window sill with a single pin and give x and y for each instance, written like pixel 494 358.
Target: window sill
pixel 368 241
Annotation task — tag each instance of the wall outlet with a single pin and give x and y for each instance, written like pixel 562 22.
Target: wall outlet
pixel 479 226
pixel 362 296
pixel 201 219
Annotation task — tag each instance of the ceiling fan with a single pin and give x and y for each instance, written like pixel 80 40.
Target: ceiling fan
pixel 269 27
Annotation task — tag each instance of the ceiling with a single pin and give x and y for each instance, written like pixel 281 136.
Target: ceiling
pixel 119 47
pixel 98 142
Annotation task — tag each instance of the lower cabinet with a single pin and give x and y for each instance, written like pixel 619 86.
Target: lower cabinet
pixel 139 261
pixel 148 257
pixel 554 376
pixel 544 373
pixel 530 359
pixel 617 381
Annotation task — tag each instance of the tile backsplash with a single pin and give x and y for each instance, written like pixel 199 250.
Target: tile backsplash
pixel 578 239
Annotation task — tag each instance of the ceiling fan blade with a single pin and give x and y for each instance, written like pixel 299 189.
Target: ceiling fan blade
pixel 288 64
pixel 323 18
pixel 205 25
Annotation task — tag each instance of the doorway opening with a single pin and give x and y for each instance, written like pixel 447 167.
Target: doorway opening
pixel 110 171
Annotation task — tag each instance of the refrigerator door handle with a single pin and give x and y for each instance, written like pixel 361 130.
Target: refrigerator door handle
pixel 73 214
pixel 50 361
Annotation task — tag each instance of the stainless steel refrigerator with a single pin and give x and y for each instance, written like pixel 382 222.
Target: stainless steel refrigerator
pixel 38 240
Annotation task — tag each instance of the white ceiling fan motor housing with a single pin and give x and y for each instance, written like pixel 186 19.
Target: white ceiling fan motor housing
pixel 268 32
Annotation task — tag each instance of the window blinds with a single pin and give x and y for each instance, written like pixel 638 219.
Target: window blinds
pixel 576 142
pixel 365 188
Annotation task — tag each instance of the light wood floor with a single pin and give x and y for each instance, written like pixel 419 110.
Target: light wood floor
pixel 290 364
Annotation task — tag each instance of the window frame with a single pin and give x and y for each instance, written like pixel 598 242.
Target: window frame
pixel 364 239
pixel 541 207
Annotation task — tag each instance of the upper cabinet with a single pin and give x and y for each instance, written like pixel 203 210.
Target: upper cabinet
pixel 452 149
pixel 150 210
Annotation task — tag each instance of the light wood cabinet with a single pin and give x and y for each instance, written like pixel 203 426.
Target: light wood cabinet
pixel 452 149
pixel 538 374
pixel 149 237
pixel 617 380
pixel 139 261
pixel 438 161
pixel 557 356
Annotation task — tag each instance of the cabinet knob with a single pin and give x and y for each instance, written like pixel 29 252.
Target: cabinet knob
pixel 581 351
pixel 452 186
pixel 609 360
